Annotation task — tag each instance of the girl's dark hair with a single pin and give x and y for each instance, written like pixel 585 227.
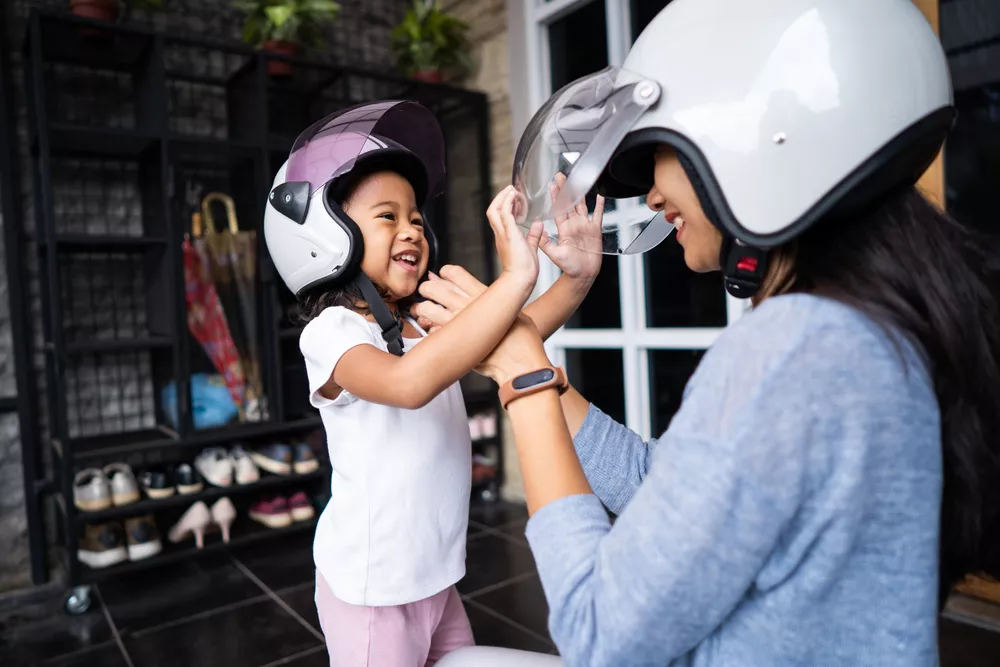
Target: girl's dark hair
pixel 314 301
pixel 916 271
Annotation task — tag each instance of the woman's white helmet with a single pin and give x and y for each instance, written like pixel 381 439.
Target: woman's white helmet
pixel 782 112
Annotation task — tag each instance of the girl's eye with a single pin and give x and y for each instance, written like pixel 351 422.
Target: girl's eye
pixel 417 222
pixel 388 215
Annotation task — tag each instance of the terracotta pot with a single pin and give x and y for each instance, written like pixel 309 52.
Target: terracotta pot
pixel 102 10
pixel 280 67
pixel 429 75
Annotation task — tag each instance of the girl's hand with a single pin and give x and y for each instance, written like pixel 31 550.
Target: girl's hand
pixel 578 251
pixel 518 253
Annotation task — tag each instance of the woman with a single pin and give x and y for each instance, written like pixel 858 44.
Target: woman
pixel 832 470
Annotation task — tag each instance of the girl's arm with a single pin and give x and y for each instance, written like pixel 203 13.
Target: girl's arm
pixel 413 380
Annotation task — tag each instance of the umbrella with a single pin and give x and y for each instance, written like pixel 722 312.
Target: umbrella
pixel 206 318
pixel 232 258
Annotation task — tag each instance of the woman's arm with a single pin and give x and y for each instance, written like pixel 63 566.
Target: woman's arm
pixel 553 309
pixel 413 380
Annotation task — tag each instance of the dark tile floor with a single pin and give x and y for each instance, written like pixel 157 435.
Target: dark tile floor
pixel 254 607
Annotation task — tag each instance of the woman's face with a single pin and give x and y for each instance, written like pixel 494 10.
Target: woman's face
pixel 673 194
pixel 396 249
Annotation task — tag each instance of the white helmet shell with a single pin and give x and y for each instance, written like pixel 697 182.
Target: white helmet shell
pixel 785 111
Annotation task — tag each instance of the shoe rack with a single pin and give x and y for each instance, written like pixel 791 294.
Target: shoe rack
pixel 124 121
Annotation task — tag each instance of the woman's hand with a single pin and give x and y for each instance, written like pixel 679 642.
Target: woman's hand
pixel 518 253
pixel 520 351
pixel 578 250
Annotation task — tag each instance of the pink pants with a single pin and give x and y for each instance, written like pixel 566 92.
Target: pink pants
pixel 407 635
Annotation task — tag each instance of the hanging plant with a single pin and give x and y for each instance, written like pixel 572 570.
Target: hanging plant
pixel 110 10
pixel 284 26
pixel 429 41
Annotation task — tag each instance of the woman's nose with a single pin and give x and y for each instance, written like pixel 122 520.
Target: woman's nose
pixel 655 200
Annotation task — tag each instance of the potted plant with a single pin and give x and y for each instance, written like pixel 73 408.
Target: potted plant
pixel 109 10
pixel 283 26
pixel 430 41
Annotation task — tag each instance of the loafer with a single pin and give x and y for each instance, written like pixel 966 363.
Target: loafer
pixel 276 459
pixel 244 468
pixel 304 461
pixel 142 537
pixel 124 488
pixel 157 482
pixel 273 513
pixel 187 479
pixel 91 490
pixel 300 508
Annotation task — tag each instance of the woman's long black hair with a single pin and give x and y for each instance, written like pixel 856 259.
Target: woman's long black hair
pixel 916 271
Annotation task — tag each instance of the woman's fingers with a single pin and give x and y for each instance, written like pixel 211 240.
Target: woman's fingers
pixel 444 293
pixel 430 314
pixel 462 279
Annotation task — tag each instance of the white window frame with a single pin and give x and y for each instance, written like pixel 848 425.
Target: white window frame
pixel 531 85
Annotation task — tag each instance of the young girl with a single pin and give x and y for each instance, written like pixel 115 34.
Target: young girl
pixel 390 545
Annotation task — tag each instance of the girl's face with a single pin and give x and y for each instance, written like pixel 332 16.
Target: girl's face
pixel 396 249
pixel 673 194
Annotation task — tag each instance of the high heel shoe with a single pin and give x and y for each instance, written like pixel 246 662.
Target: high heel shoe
pixel 195 520
pixel 223 514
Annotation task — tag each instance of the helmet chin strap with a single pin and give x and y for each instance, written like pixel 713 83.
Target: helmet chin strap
pixel 743 267
pixel 392 334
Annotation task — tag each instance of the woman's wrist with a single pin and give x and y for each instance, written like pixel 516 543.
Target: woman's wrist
pixel 523 354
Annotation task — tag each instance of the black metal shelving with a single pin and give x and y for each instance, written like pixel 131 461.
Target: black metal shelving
pixel 111 178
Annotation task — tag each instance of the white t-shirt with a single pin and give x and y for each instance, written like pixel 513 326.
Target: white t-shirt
pixel 394 530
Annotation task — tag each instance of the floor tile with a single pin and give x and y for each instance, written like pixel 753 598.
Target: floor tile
pixel 146 599
pixel 281 563
pixel 523 602
pixel 302 599
pixel 515 530
pixel 963 645
pixel 317 658
pixel 491 560
pixel 497 514
pixel 105 655
pixel 255 634
pixel 489 630
pixel 41 630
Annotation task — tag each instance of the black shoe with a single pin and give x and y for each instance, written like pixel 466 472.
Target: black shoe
pixel 157 482
pixel 187 479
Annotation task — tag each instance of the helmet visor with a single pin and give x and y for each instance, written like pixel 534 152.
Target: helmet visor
pixel 566 148
pixel 330 147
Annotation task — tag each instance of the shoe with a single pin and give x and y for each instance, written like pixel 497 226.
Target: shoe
pixel 483 469
pixel 215 466
pixel 91 490
pixel 244 467
pixel 187 479
pixel 124 488
pixel 304 459
pixel 300 507
pixel 195 520
pixel 272 513
pixel 157 482
pixel 276 458
pixel 142 537
pixel 102 545
pixel 223 514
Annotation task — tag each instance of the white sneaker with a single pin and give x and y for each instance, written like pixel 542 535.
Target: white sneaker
pixel 246 469
pixel 91 490
pixel 215 466
pixel 124 488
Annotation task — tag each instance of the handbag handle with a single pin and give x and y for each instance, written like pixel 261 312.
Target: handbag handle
pixel 206 212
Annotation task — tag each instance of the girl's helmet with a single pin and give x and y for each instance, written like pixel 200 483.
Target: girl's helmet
pixel 781 115
pixel 310 238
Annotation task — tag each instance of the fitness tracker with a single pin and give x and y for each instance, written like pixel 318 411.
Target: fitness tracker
pixel 526 384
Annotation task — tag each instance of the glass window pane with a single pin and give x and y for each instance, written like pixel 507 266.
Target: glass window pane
pixel 970 32
pixel 676 296
pixel 669 371
pixel 578 44
pixel 599 376
pixel 644 11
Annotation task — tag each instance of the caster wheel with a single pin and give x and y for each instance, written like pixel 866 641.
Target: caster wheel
pixel 78 601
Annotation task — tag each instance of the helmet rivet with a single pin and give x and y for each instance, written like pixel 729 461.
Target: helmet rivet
pixel 313 253
pixel 646 91
pixel 780 138
pixel 288 198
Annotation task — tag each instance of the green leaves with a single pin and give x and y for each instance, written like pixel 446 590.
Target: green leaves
pixel 429 39
pixel 299 21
